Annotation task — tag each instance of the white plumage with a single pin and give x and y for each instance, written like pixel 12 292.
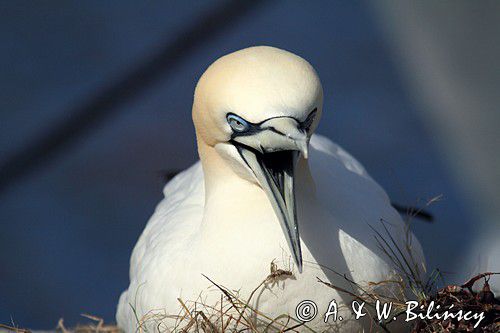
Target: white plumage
pixel 218 219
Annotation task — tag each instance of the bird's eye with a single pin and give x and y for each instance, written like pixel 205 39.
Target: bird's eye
pixel 237 123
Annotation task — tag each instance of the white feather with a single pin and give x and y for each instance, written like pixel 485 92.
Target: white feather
pixel 167 262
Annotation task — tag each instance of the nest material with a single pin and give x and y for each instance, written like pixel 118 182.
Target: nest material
pixel 466 299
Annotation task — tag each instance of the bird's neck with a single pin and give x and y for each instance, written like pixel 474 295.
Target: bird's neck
pixel 227 190
pixel 231 202
pixel 220 177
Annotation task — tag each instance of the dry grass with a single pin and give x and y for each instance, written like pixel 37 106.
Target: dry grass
pixel 96 325
pixel 231 314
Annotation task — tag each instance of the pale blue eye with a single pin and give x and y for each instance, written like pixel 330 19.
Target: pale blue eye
pixel 237 123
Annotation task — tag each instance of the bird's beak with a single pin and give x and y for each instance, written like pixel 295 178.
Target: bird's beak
pixel 272 152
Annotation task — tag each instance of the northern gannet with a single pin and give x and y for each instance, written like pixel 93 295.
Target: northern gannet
pixel 265 190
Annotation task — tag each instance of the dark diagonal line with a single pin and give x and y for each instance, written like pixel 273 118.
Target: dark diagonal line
pixel 106 103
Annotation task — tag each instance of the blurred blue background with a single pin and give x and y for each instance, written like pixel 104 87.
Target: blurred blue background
pixel 411 90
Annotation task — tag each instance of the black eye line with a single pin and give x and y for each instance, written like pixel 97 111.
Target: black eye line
pixel 255 127
pixel 273 129
pixel 311 114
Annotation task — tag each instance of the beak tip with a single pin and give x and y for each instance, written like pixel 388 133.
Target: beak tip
pixel 304 149
pixel 305 153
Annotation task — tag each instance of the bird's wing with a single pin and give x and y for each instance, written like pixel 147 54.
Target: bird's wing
pixel 169 232
pixel 177 215
pixel 326 146
pixel 356 204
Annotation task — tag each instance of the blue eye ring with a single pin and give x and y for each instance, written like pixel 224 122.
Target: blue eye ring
pixel 237 123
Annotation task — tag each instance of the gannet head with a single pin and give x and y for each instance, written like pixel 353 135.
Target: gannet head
pixel 258 108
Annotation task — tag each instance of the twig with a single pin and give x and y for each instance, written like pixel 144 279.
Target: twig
pixel 469 284
pixel 15 329
pixel 60 325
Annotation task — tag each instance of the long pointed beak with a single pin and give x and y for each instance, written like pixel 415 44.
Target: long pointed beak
pixel 272 155
pixel 276 176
